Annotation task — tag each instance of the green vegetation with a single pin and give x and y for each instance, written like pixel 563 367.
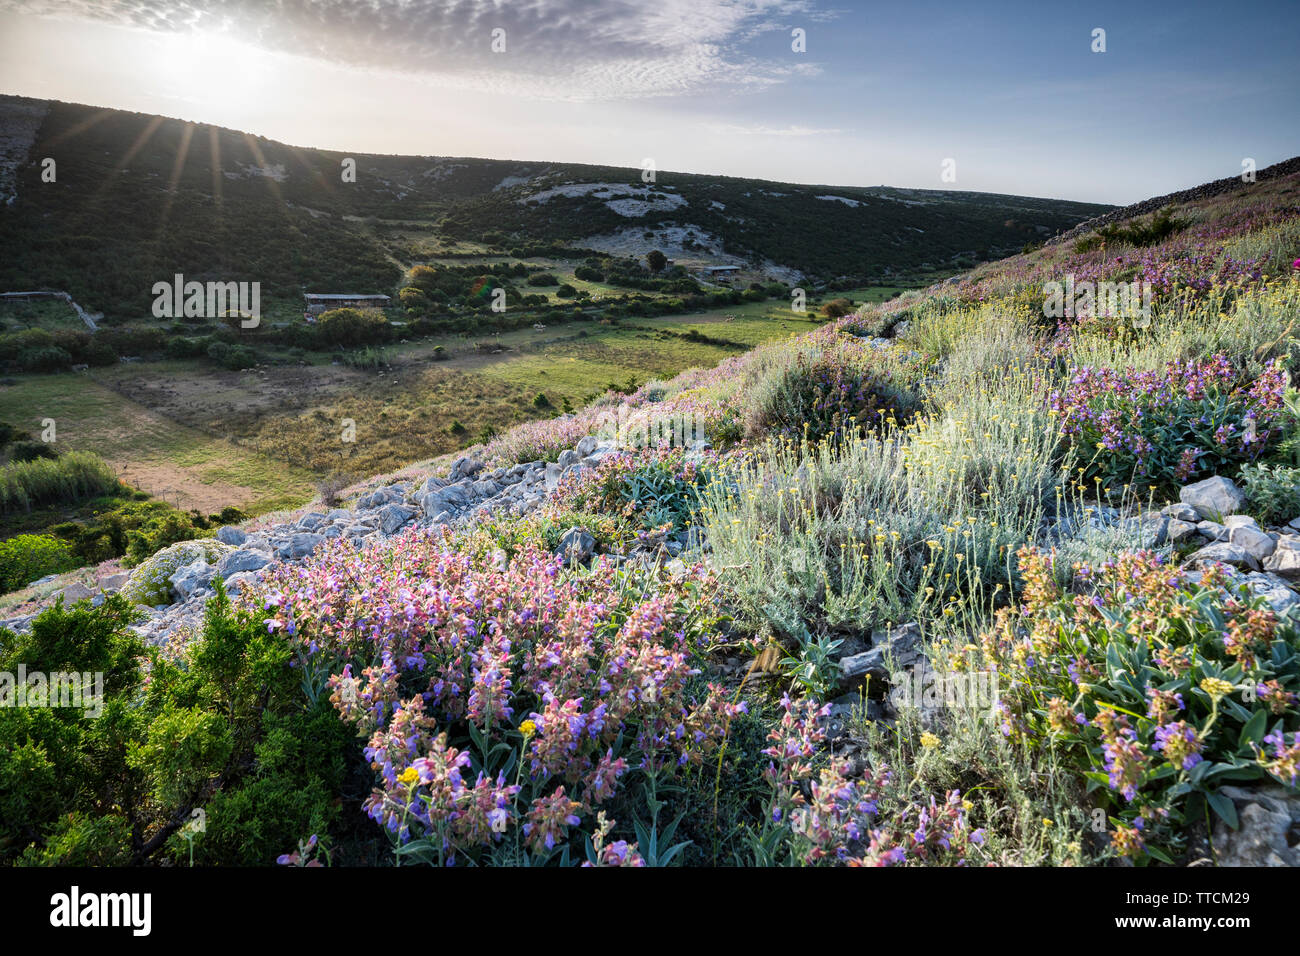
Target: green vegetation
pixel 44 481
pixel 1273 491
pixel 1134 232
pixel 226 730
pixel 248 209
pixel 26 557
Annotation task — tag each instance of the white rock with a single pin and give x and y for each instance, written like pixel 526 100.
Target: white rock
pixel 1284 562
pixel 1212 530
pixel 1224 552
pixel 1214 497
pixel 1254 541
pixel 231 535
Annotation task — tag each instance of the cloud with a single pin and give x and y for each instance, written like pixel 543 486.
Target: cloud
pixel 731 130
pixel 554 49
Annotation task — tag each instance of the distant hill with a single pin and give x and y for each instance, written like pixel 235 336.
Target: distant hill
pixel 137 198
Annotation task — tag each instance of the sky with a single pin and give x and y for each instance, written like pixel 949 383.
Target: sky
pixel 1012 94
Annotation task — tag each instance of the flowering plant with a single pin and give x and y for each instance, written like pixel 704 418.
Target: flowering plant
pixel 1165 428
pixel 843 388
pixel 504 699
pixel 650 487
pixel 820 814
pixel 1160 688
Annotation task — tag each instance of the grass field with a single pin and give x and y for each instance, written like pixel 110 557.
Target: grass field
pixel 169 460
pixel 40 313
pixel 203 437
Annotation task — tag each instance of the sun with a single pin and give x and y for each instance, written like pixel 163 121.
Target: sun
pixel 210 68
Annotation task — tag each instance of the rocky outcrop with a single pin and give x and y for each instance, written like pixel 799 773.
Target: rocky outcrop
pixel 174 585
pixel 1268 831
pixel 1213 498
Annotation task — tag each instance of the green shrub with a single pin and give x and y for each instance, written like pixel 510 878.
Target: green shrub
pixel 48 359
pixel 1158 690
pixel 652 489
pixel 67 479
pixel 367 358
pixel 840 390
pixel 1273 491
pixel 836 308
pixel 79 839
pixel 223 736
pixel 351 328
pixel 300 769
pixel 1135 232
pixel 232 357
pixel 135 530
pixel 31 451
pixel 27 557
pixel 152 536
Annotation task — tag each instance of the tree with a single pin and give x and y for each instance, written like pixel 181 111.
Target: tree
pixel 656 260
pixel 836 308
pixel 348 327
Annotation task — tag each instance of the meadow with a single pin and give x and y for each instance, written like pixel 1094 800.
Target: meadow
pixel 933 593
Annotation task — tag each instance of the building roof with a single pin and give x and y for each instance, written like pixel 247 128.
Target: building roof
pixel 332 296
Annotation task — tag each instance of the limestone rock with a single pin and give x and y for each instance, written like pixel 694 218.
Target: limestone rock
pixel 1213 498
pixel 231 535
pixel 1225 553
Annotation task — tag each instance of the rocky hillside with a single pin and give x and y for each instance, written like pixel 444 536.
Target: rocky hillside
pixel 949 581
pixel 139 198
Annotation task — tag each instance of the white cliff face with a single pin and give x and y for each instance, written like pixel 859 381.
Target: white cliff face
pixel 19 122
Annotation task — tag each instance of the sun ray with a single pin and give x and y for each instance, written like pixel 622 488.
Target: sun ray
pixel 316 175
pixel 214 150
pixel 182 151
pixel 260 158
pixel 81 127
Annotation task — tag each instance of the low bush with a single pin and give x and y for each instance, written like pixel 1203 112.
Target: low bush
pixel 26 557
pixel 837 391
pixel 30 451
pixel 650 488
pixel 837 308
pixel 1273 492
pixel 1164 429
pixel 134 530
pixel 1135 232
pixel 351 328
pixel 75 476
pixel 216 757
pixel 232 357
pixel 1156 687
pixel 840 537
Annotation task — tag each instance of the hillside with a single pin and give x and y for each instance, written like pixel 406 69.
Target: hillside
pixel 949 580
pixel 138 198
